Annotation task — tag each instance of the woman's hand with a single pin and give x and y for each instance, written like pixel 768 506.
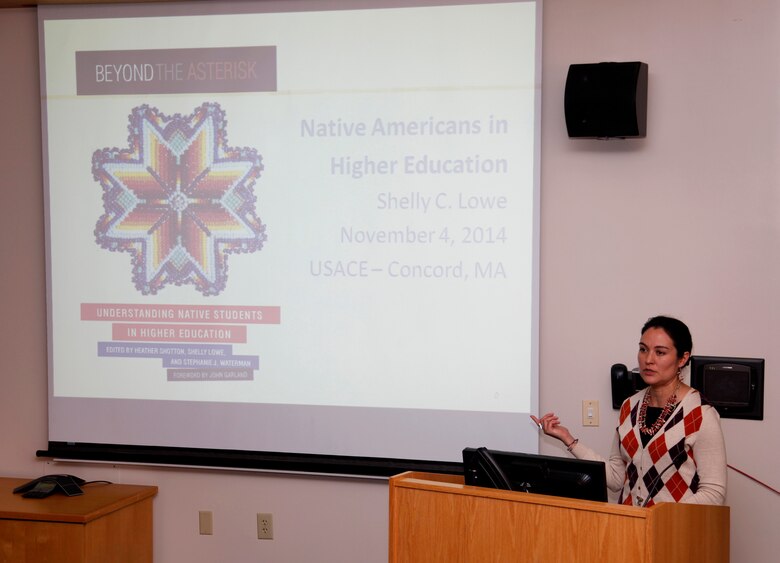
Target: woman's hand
pixel 551 425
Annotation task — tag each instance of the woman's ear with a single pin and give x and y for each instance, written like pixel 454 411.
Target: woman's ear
pixel 684 359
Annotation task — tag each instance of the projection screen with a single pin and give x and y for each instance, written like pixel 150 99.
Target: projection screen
pixel 292 227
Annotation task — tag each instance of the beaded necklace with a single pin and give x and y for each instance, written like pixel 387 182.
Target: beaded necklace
pixel 668 408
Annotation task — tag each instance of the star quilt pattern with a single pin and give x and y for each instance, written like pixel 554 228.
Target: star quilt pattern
pixel 179 200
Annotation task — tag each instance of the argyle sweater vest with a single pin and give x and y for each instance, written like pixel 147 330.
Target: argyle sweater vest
pixel 664 470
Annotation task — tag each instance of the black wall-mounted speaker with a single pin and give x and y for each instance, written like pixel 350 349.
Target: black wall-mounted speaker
pixel 605 100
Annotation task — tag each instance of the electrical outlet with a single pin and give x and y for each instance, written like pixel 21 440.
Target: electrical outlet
pixel 590 413
pixel 265 526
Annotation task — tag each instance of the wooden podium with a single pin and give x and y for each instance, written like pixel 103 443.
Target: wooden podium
pixel 107 524
pixel 437 519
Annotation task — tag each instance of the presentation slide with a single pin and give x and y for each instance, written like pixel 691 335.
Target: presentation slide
pixel 280 227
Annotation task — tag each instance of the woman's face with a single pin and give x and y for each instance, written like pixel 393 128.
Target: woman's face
pixel 658 359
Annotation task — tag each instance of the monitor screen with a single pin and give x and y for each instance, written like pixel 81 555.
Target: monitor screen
pixel 734 386
pixel 532 473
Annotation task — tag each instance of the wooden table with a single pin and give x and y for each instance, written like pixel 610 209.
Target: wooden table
pixel 107 524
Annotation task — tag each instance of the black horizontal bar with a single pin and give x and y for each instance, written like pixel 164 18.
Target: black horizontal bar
pixel 239 459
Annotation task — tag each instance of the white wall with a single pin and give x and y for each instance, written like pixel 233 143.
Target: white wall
pixel 684 222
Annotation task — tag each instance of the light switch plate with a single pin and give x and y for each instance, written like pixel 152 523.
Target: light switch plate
pixel 590 413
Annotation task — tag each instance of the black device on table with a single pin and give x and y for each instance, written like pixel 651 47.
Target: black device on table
pixel 49 484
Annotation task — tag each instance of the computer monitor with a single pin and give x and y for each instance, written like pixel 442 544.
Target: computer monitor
pixel 734 386
pixel 533 473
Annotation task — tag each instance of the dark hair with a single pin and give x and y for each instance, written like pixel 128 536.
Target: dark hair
pixel 677 331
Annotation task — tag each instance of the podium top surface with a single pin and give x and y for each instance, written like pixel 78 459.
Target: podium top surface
pixel 454 484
